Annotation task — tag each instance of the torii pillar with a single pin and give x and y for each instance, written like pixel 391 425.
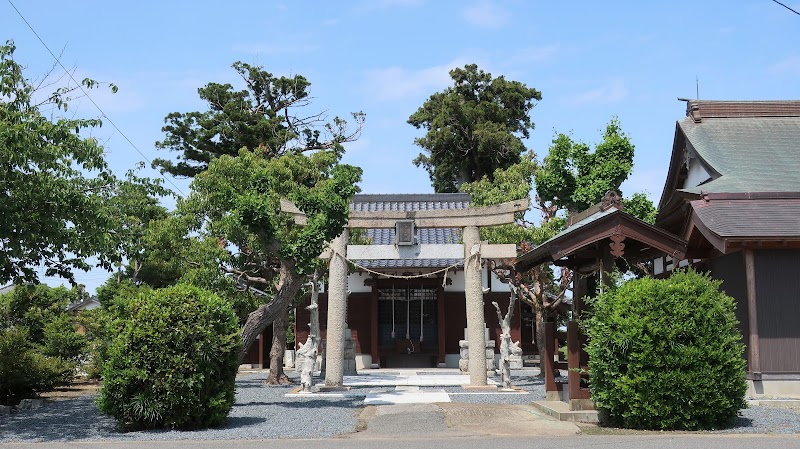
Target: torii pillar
pixel 337 312
pixel 473 291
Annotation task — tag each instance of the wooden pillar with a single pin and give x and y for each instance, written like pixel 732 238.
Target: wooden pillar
pixel 440 321
pixel 574 348
pixel 754 356
pixel 550 386
pixel 473 292
pixel 261 349
pixel 373 329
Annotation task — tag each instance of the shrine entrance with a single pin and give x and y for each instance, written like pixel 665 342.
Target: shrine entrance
pixel 408 326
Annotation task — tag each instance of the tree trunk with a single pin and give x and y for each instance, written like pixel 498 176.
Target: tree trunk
pixel 276 374
pixel 289 284
pixel 540 339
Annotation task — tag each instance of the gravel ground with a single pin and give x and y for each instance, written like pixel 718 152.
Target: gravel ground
pixel 264 412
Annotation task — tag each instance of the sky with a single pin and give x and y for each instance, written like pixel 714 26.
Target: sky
pixel 591 61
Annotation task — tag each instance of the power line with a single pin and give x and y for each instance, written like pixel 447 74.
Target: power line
pixel 790 9
pixel 85 93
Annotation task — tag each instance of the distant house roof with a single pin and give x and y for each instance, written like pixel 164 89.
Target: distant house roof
pixel 411 202
pixel 86 304
pixel 6 289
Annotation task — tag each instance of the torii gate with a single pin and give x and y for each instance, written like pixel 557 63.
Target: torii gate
pixel 470 219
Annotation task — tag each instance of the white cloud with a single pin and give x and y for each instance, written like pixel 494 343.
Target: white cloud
pixel 485 14
pixel 612 92
pixel 396 83
pixel 787 66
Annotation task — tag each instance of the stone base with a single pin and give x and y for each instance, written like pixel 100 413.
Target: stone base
pixel 463 363
pixel 331 388
pixel 515 362
pixel 480 387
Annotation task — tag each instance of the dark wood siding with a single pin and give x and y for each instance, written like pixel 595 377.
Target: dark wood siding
pixel 778 296
pixel 730 270
pixel 455 320
pixel 359 319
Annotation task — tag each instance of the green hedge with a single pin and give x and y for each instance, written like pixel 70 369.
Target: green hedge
pixel 666 354
pixel 173 361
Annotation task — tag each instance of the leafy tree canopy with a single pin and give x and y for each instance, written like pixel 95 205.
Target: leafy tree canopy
pixel 56 191
pixel 473 127
pixel 267 114
pixel 574 178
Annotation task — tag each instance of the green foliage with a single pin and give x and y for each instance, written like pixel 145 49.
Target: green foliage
pixel 509 184
pixel 641 207
pixel 41 348
pixel 241 199
pixel 24 371
pixel 666 354
pixel 59 202
pixel 263 115
pixel 173 361
pixel 473 127
pixel 52 208
pixel 574 178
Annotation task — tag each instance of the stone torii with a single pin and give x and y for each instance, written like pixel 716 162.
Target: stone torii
pixel 472 251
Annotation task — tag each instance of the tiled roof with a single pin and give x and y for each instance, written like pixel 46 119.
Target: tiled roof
pixel 410 263
pixel 411 202
pixel 747 218
pixel 751 154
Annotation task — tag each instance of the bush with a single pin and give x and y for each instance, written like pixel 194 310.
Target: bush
pixel 666 354
pixel 172 362
pixel 39 347
pixel 24 371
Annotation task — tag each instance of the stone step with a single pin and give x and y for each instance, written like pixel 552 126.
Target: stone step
pixel 560 411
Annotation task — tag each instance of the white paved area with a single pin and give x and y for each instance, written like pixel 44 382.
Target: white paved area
pixel 407 383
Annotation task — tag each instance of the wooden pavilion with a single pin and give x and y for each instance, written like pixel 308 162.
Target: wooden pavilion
pixel 595 241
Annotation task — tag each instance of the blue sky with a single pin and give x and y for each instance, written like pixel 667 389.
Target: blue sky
pixel 590 60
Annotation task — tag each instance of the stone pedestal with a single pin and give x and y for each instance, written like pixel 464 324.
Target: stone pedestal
pixel 488 353
pixel 349 362
pixel 349 359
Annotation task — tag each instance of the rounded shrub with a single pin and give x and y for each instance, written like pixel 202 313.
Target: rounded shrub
pixel 666 354
pixel 172 362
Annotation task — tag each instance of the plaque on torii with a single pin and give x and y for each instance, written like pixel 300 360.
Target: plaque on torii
pixel 472 251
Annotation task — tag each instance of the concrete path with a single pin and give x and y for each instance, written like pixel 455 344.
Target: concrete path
pixel 451 420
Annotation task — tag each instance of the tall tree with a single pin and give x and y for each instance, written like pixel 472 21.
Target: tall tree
pixel 268 113
pixel 574 178
pixel 239 200
pixel 570 179
pixel 269 117
pixel 55 187
pixel 473 127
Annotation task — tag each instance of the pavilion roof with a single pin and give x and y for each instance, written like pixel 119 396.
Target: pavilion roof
pixel 580 244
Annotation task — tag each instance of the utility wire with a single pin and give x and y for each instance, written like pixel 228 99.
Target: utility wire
pixel 80 86
pixel 790 9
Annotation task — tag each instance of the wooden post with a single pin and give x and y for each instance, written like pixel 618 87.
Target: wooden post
pixel 373 331
pixel 261 350
pixel 575 349
pixel 550 386
pixel 752 315
pixel 440 321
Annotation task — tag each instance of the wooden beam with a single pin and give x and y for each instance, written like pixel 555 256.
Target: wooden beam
pixel 752 314
pixel 429 218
